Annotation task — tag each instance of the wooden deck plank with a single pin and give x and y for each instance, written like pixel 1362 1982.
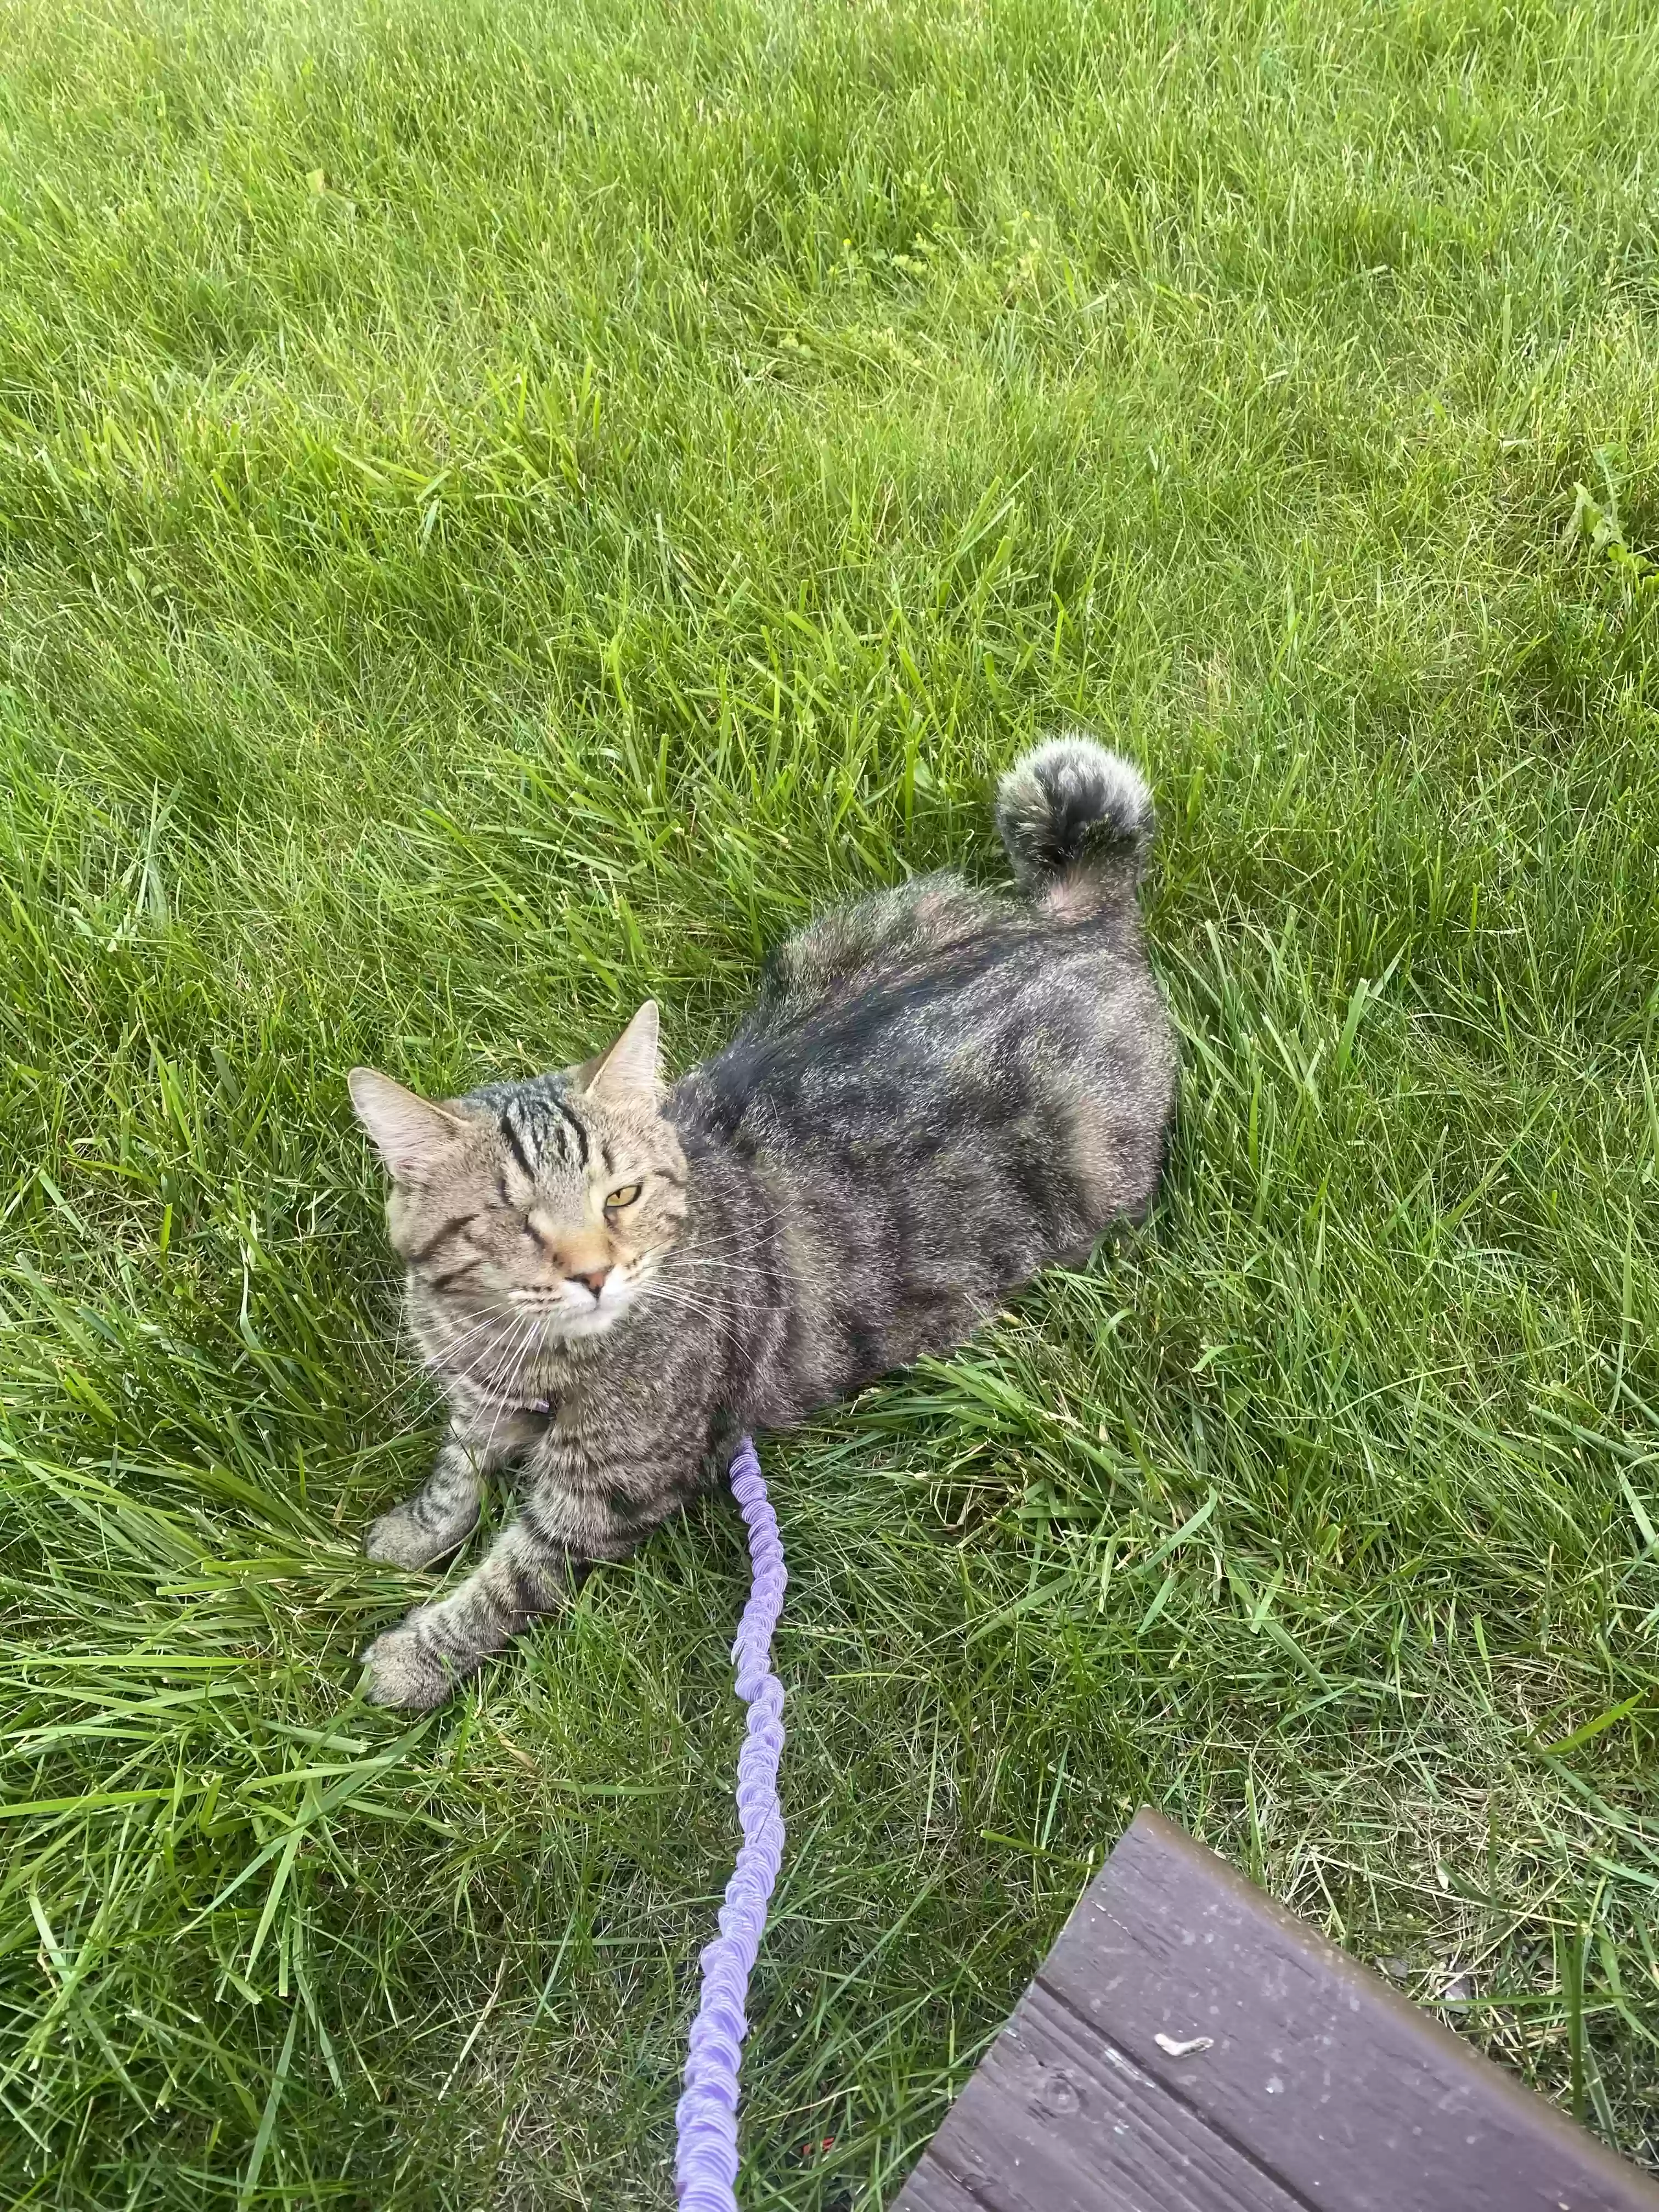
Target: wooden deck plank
pixel 1067 2116
pixel 1321 2089
pixel 930 2188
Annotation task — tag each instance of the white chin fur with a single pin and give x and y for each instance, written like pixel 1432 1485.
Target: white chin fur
pixel 567 1319
pixel 593 1323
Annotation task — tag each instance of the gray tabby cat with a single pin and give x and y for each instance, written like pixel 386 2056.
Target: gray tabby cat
pixel 938 1092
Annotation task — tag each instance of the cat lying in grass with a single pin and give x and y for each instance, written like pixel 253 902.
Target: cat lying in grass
pixel 938 1092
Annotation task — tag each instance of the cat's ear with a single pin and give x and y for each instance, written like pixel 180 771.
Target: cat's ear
pixel 628 1069
pixel 411 1135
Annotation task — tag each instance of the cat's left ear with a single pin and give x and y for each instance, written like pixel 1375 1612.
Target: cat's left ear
pixel 631 1067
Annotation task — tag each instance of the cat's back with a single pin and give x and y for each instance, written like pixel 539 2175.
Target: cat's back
pixel 938 1092
pixel 920 1007
pixel 880 940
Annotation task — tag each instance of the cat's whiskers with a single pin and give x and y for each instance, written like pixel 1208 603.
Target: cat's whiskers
pixel 447 1356
pixel 480 1370
pixel 737 1239
pixel 723 1271
pixel 444 1356
pixel 687 1300
pixel 683 1302
pixel 488 1322
pixel 506 1405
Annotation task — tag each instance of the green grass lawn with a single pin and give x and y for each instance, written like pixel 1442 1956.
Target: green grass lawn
pixel 504 509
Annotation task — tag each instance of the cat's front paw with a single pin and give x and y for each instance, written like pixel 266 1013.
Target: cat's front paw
pixel 398 1539
pixel 403 1671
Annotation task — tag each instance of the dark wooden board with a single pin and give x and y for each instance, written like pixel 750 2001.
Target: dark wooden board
pixel 1322 2090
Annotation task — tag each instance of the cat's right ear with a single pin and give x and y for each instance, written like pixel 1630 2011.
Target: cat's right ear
pixel 411 1133
pixel 629 1066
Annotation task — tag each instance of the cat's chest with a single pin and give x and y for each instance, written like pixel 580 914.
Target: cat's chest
pixel 611 1396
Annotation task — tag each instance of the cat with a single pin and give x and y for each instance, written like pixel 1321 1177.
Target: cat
pixel 938 1090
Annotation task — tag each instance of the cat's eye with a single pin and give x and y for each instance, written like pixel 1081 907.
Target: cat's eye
pixel 624 1195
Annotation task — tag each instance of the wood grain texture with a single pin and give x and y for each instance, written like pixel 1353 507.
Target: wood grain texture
pixel 1321 2089
pixel 930 2188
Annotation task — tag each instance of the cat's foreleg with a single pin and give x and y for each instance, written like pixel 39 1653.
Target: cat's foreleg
pixel 444 1511
pixel 531 1569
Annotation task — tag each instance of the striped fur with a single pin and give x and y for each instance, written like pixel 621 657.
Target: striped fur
pixel 938 1092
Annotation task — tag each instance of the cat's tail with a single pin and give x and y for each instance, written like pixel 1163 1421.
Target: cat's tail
pixel 1077 824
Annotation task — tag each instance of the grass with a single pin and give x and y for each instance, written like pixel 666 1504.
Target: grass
pixel 504 509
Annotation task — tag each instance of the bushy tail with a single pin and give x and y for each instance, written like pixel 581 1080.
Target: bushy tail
pixel 1077 824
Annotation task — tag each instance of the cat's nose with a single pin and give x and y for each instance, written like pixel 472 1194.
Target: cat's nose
pixel 594 1278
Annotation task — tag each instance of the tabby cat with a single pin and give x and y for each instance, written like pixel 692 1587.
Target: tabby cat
pixel 938 1090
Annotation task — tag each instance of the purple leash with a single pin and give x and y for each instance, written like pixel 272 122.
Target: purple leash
pixel 706 2165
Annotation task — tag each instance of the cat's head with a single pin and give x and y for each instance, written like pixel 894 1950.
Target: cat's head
pixel 553 1201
